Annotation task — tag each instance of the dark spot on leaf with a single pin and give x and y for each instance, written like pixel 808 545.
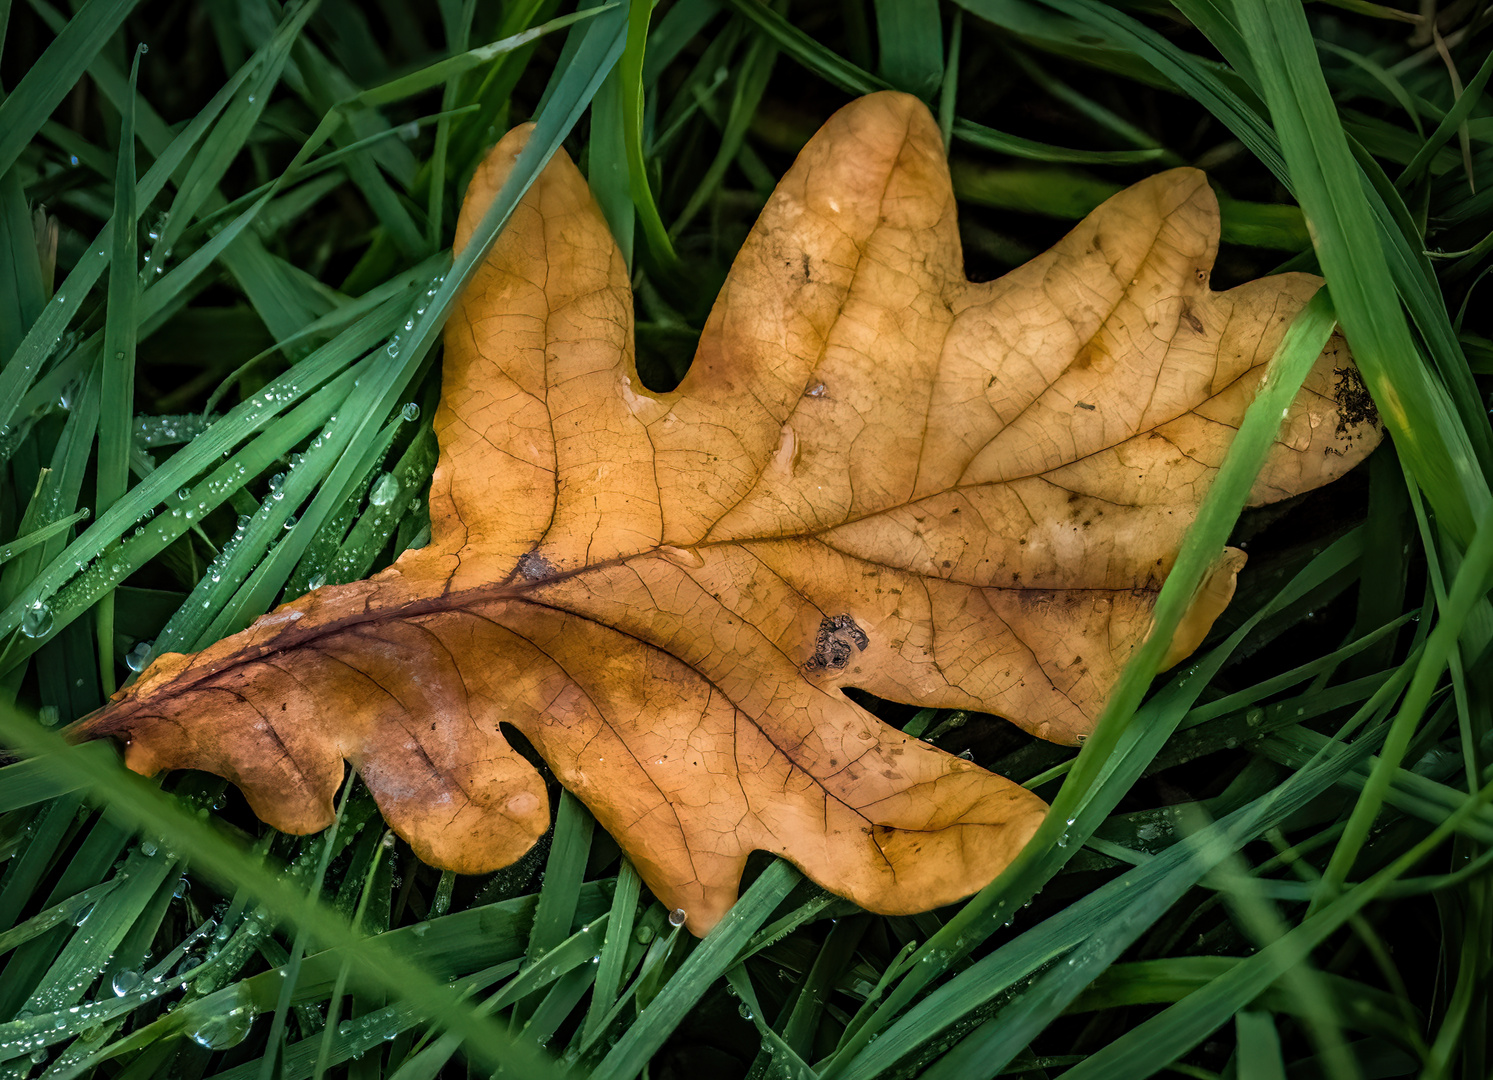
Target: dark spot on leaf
pixel 835 642
pixel 1354 404
pixel 533 566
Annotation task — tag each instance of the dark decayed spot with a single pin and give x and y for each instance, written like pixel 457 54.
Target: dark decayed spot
pixel 1354 403
pixel 533 566
pixel 834 643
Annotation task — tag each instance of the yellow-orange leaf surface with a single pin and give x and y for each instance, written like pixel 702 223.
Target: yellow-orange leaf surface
pixel 876 474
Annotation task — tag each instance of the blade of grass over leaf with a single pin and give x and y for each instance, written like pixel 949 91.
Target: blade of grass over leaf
pixel 133 798
pixel 1068 822
pixel 1414 391
pixel 118 415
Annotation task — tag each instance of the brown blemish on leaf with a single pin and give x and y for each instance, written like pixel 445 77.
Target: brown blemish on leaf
pixel 1355 406
pixel 836 642
pixel 533 566
pixel 700 546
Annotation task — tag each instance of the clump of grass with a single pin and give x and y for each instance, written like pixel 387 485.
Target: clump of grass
pixel 223 270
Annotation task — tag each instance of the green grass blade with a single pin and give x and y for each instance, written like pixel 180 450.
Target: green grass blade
pixel 46 333
pixel 132 798
pixel 1467 591
pixel 1153 1044
pixel 840 72
pixel 1151 886
pixel 48 81
pixel 564 871
pixel 117 418
pixel 443 71
pixel 708 962
pixel 614 952
pixel 607 164
pixel 1204 540
pixel 949 92
pixel 1454 118
pixel 910 36
pixel 230 134
pixel 379 391
pixel 630 93
pixel 1259 1055
pixel 751 81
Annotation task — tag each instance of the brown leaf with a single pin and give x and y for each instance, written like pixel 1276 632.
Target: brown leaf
pixel 875 474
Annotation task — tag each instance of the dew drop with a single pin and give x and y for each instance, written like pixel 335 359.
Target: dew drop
pixel 138 657
pixel 745 1010
pixel 411 411
pixel 384 490
pixel 37 621
pixel 125 982
pixel 677 917
pixel 223 1030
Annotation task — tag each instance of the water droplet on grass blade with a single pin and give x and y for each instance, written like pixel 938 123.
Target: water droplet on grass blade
pixel 223 1030
pixel 138 657
pixel 384 490
pixel 37 621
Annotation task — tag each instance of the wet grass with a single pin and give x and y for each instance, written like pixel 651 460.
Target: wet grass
pixel 1271 863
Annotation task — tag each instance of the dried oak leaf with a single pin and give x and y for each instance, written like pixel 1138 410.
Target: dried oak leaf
pixel 876 474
